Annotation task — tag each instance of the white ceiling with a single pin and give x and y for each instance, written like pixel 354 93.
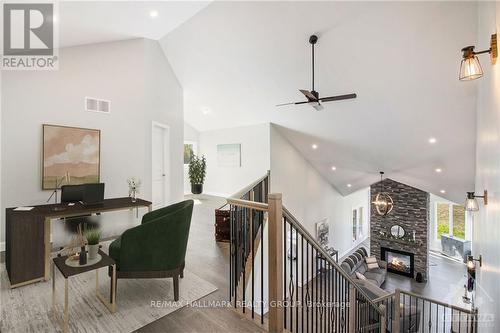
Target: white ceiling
pixel 86 22
pixel 239 59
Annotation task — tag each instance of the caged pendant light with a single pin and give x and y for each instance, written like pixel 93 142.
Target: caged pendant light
pixel 383 202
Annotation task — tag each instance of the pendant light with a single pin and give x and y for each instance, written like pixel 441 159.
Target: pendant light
pixel 383 202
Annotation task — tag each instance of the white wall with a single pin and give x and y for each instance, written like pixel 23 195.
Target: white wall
pixel 225 181
pixel 138 80
pixel 306 194
pixel 342 235
pixel 487 222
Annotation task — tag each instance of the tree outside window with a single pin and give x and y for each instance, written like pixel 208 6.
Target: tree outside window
pixel 456 221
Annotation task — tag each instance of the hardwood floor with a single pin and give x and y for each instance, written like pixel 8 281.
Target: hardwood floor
pixel 209 260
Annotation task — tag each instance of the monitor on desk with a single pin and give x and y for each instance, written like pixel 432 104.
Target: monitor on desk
pixel 93 194
pixel 88 194
pixel 72 193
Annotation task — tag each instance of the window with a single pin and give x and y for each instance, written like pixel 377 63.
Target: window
pixel 188 152
pixel 450 220
pixel 459 221
pixel 354 224
pixel 357 223
pixel 443 219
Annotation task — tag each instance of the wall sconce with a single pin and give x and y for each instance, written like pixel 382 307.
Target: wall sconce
pixel 470 67
pixel 471 271
pixel 471 204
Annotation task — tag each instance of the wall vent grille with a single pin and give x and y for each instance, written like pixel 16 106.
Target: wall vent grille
pixel 97 105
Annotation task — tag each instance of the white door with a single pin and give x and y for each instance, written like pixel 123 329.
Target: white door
pixel 160 163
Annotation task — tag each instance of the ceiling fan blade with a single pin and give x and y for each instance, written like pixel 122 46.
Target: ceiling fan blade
pixel 337 98
pixel 293 103
pixel 309 95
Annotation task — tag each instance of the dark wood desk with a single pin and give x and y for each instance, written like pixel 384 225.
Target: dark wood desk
pixel 27 236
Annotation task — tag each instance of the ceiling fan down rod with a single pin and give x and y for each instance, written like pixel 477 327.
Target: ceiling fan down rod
pixel 313 39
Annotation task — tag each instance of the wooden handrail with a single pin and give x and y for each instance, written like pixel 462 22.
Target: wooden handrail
pixel 248 204
pixel 247 188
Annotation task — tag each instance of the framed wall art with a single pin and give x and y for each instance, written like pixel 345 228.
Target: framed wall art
pixel 70 156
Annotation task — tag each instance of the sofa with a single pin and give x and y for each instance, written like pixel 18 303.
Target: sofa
pixel 409 320
pixel 356 263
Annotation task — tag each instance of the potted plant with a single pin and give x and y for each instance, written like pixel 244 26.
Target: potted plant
pixel 197 172
pixel 93 237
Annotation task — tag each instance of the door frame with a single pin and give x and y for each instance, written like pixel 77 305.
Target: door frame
pixel 166 162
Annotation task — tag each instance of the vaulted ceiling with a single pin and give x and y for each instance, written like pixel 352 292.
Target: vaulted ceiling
pixel 237 60
pixel 86 22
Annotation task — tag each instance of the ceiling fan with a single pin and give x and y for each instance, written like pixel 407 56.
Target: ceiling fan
pixel 313 96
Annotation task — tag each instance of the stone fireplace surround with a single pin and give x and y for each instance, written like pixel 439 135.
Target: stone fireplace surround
pixel 411 211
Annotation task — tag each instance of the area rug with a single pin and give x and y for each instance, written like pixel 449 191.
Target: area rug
pixel 139 302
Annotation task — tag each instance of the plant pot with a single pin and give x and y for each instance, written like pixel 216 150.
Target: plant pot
pixel 93 249
pixel 196 188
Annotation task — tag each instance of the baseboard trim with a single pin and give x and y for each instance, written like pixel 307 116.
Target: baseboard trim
pixel 217 194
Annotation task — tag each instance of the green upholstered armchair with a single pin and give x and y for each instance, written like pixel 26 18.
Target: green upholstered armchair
pixel 157 247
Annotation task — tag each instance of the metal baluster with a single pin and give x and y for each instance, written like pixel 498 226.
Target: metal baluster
pixel 252 225
pixel 315 258
pixel 284 270
pixel 296 281
pixel 290 284
pixel 302 284
pixel 231 240
pixel 262 269
pixel 244 259
pixel 308 296
pixel 328 299
pixel 237 244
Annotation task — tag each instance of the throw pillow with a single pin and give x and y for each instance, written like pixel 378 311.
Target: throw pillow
pixel 370 260
pixel 360 276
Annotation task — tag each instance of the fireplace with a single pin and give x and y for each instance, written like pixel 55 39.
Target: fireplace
pixel 399 262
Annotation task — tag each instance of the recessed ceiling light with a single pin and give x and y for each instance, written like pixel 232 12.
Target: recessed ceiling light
pixel 153 13
pixel 439 170
pixel 349 185
pixel 205 110
pixel 314 146
pixel 432 140
pixel 334 168
pixel 443 191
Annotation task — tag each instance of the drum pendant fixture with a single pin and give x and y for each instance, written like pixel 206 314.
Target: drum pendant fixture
pixel 383 202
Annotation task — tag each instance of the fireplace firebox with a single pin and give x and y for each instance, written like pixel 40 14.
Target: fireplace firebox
pixel 399 262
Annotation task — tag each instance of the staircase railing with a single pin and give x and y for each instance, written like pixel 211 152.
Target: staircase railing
pixel 301 288
pixel 417 313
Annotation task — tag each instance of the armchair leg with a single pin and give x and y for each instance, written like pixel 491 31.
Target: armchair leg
pixel 176 287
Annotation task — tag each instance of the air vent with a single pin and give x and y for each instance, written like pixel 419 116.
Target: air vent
pixel 97 105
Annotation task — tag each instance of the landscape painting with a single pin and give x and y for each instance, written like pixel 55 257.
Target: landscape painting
pixel 229 155
pixel 71 156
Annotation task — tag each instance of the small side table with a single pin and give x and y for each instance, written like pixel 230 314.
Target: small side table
pixel 321 260
pixel 68 271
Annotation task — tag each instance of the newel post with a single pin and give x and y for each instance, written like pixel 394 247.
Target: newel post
pixel 275 262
